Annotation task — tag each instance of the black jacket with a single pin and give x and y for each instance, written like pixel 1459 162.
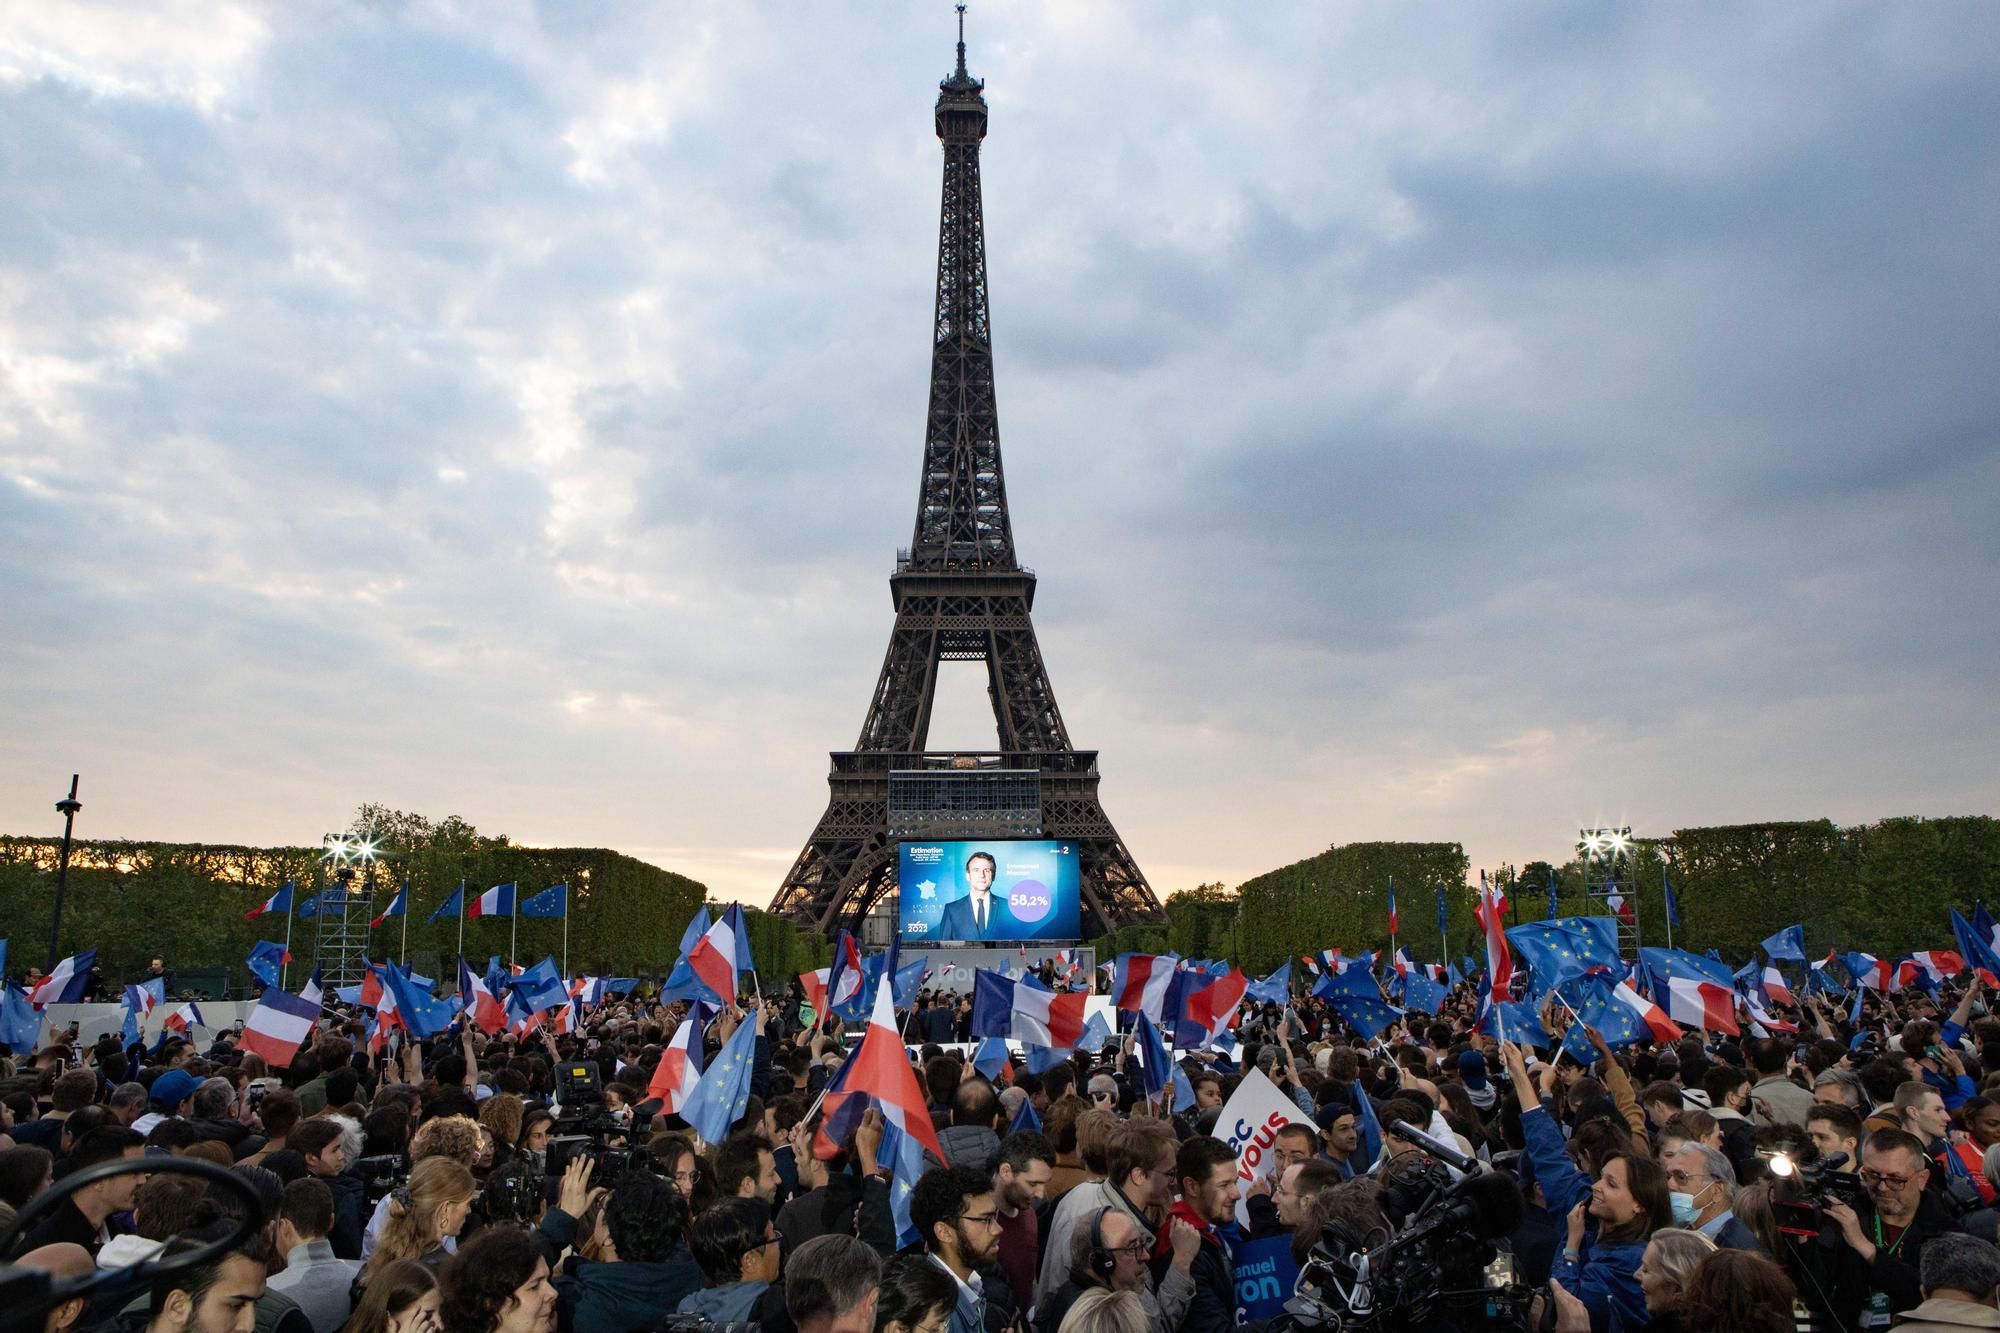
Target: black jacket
pixel 1834 1280
pixel 349 1214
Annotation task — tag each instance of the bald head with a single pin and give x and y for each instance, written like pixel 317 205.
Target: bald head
pixel 61 1261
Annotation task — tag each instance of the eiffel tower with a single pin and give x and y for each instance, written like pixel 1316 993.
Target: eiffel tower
pixel 961 595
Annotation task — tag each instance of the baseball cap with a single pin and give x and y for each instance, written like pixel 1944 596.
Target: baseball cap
pixel 173 1087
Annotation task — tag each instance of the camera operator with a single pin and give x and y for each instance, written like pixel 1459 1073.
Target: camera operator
pixel 1876 1275
pixel 643 1266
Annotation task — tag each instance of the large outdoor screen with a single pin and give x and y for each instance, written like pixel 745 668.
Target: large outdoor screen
pixel 988 890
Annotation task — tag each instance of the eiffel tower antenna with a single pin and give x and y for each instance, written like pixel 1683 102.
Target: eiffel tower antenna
pixel 961 595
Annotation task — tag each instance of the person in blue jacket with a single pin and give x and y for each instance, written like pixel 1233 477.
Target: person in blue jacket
pixel 1608 1220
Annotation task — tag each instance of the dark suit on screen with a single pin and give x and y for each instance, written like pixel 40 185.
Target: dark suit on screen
pixel 957 922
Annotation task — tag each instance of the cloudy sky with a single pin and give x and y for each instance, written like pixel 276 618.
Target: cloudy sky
pixel 1459 422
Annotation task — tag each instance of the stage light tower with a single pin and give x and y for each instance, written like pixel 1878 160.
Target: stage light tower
pixel 1610 880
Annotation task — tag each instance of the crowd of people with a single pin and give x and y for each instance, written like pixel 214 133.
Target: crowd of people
pixel 1840 1178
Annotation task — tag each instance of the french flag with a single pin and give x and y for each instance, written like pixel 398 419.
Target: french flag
pixel 713 958
pixel 388 1018
pixel 844 976
pixel 65 982
pixel 680 1064
pixel 1701 1004
pixel 1213 1006
pixel 1762 1021
pixel 1494 893
pixel 1664 1029
pixel 1872 972
pixel 278 1026
pixel 185 1017
pixel 1139 982
pixel 496 901
pixel 1392 907
pixel 397 906
pixel 879 1075
pixel 1617 903
pixel 814 985
pixel 281 901
pixel 587 990
pixel 479 1001
pixel 1002 1007
pixel 1776 990
pixel 1940 965
pixel 1401 963
pixel 1499 962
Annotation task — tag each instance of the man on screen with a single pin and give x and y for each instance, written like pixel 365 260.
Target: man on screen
pixel 981 914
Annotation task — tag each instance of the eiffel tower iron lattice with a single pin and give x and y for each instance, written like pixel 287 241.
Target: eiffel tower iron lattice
pixel 961 595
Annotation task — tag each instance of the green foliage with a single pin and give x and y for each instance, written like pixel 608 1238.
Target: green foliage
pixel 1201 922
pixel 135 901
pixel 1339 899
pixel 1141 937
pixel 1884 887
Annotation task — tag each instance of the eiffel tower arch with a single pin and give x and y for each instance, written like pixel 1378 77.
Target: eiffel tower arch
pixel 961 595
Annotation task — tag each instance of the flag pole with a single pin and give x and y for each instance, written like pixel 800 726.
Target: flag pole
pixel 1665 889
pixel 285 963
pixel 406 918
pixel 461 921
pixel 565 932
pixel 514 927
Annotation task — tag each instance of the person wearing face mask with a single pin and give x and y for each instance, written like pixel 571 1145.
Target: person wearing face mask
pixel 1702 1193
pixel 1607 1221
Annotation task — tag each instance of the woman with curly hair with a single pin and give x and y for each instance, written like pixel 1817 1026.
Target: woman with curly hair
pixel 502 1114
pixel 403 1298
pixel 499 1283
pixel 433 1206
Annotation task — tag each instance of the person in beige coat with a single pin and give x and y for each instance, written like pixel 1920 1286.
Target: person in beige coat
pixel 1960 1275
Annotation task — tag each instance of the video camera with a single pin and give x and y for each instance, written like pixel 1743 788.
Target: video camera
pixel 1814 1182
pixel 379 1174
pixel 586 1128
pixel 1430 1274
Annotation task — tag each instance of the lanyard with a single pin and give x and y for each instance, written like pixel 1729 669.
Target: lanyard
pixel 1899 1239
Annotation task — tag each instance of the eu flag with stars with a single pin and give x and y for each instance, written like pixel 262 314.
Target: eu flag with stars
pixel 1556 951
pixel 1512 1020
pixel 724 1091
pixel 1596 1003
pixel 1154 1063
pixel 1680 965
pixel 1367 1017
pixel 1420 992
pixel 1976 951
pixel 20 1021
pixel 1673 904
pixel 552 901
pixel 1789 943
pixel 1274 989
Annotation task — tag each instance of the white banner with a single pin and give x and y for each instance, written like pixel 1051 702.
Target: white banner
pixel 1249 1124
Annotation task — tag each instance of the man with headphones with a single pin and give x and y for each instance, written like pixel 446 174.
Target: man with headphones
pixel 1107 1251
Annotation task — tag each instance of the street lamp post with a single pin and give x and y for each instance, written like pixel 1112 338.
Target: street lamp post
pixel 67 808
